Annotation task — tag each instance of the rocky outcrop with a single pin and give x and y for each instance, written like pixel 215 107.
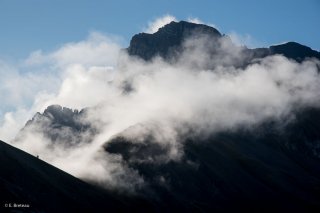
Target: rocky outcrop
pixel 60 125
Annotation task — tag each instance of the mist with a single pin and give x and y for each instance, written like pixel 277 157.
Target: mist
pixel 128 97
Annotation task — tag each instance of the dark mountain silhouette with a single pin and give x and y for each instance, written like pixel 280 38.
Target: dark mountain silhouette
pixel 27 180
pixel 168 40
pixel 273 167
pixel 294 51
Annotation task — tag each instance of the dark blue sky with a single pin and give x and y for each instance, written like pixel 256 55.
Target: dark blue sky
pixel 36 24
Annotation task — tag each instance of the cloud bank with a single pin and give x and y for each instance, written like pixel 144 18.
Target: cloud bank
pixel 48 78
pixel 164 101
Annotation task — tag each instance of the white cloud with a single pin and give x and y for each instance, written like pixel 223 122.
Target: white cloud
pixel 83 87
pixel 158 23
pixel 96 50
pixel 196 20
pixel 63 77
pixel 244 40
pixel 165 98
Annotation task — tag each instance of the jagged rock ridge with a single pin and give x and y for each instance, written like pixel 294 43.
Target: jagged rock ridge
pixel 60 125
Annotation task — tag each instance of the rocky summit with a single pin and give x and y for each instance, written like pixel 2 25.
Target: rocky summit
pixel 167 40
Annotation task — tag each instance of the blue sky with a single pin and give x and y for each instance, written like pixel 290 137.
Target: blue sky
pixel 29 25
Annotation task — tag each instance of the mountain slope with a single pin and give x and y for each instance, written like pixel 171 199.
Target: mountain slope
pixel 265 169
pixel 26 179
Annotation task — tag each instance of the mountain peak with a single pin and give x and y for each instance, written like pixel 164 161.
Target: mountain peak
pixel 184 29
pixel 295 51
pixel 60 124
pixel 168 39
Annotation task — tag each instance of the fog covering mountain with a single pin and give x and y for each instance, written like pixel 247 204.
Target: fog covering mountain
pixel 198 125
pixel 60 124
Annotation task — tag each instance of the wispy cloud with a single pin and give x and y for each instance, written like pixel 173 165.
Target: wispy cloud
pixel 97 50
pixel 199 21
pixel 63 76
pixel 245 40
pixel 154 25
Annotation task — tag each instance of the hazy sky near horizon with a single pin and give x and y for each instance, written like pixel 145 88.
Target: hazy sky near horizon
pixel 30 25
